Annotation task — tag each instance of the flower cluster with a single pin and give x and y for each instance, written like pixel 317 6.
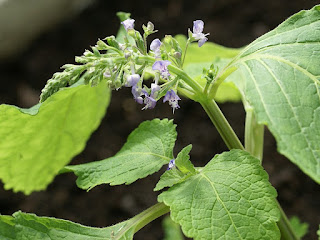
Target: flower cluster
pixel 150 96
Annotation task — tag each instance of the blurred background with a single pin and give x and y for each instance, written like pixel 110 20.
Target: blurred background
pixel 38 37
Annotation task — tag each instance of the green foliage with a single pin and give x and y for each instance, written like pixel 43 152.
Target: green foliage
pixel 25 226
pixel 37 142
pixel 230 198
pixel 147 149
pixel 299 227
pixel 172 230
pixel 281 82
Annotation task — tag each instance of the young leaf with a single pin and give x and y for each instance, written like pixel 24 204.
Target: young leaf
pixel 147 149
pixel 299 227
pixel 183 170
pixel 281 81
pixel 36 143
pixel 183 162
pixel 169 178
pixel 172 230
pixel 31 227
pixel 230 198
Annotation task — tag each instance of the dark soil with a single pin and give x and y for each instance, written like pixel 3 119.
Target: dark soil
pixel 232 23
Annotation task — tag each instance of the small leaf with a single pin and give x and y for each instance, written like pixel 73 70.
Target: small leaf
pixel 31 227
pixel 172 230
pixel 37 142
pixel 299 227
pixel 169 178
pixel 147 149
pixel 231 198
pixel 184 170
pixel 183 163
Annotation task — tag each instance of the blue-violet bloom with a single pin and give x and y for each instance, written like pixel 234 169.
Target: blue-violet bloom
pixel 171 164
pixel 132 80
pixel 162 66
pixel 172 98
pixel 149 100
pixel 197 34
pixel 155 47
pixel 136 92
pixel 128 24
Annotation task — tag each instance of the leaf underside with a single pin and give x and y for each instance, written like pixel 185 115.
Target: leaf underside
pixel 36 143
pixel 231 198
pixel 280 80
pixel 147 149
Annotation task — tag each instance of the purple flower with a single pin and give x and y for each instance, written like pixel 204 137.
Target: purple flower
pixel 172 98
pixel 162 66
pixel 132 80
pixel 136 92
pixel 197 34
pixel 149 100
pixel 171 164
pixel 155 47
pixel 128 24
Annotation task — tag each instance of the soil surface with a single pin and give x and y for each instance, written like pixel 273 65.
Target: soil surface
pixel 232 23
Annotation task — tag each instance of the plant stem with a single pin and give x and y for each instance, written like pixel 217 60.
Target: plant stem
pixel 222 125
pixel 254 134
pixel 284 225
pixel 185 52
pixel 149 215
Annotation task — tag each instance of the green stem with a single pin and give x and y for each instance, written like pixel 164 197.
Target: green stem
pixel 221 123
pixel 185 52
pixel 284 225
pixel 149 215
pixel 254 134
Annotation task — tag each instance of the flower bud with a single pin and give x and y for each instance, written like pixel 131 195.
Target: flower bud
pixel 113 42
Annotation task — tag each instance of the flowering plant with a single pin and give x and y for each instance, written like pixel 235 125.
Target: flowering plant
pixel 277 79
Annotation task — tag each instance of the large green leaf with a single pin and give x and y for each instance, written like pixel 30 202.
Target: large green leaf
pixel 281 77
pixel 25 226
pixel 36 143
pixel 231 198
pixel 147 149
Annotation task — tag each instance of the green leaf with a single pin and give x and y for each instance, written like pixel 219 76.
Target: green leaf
pixel 318 232
pixel 147 149
pixel 169 178
pixel 172 230
pixel 281 81
pixel 183 161
pixel 299 227
pixel 183 170
pixel 231 198
pixel 37 142
pixel 25 226
pixel 199 58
